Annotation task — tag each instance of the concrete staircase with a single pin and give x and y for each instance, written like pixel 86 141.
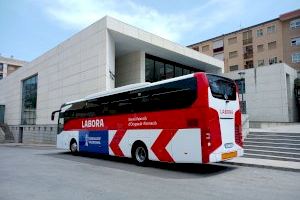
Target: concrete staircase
pixel 273 146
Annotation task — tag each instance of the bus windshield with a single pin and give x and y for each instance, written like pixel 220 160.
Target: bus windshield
pixel 222 88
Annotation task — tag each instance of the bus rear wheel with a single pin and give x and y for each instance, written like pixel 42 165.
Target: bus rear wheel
pixel 140 154
pixel 73 146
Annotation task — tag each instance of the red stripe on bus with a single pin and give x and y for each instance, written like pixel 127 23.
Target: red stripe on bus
pixel 202 101
pixel 159 146
pixel 114 144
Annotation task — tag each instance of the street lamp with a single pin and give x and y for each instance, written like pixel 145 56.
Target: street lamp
pixel 242 75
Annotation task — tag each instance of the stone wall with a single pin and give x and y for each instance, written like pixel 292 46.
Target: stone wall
pixel 35 134
pixel 2 136
pixel 245 125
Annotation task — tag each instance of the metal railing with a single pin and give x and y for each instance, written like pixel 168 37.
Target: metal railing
pixel 248 55
pixel 247 41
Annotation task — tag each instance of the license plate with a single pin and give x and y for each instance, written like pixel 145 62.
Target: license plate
pixel 229 155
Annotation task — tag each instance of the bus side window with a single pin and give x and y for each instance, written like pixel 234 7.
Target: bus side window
pixel 141 103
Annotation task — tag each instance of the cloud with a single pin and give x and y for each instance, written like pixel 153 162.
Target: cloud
pixel 77 14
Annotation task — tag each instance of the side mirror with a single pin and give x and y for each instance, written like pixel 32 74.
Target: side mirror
pixel 53 114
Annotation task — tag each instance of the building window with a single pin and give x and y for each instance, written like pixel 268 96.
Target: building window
pixel 295 24
pixel 248 64
pixel 218 46
pixel 149 70
pixel 233 67
pixel 271 29
pixel 219 56
pixel 296 57
pixel 1 76
pixel 186 71
pixel 29 97
pixel 241 85
pixel 259 33
pixel 260 63
pixel 295 41
pixel 247 37
pixel 260 48
pixel 169 71
pixel 178 71
pixel 1 67
pixel 157 69
pixel 232 40
pixel 272 60
pixel 233 54
pixel 205 48
pixel 196 48
pixel 248 52
pixel 272 45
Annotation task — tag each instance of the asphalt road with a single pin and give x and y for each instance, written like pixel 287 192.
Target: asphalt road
pixel 46 173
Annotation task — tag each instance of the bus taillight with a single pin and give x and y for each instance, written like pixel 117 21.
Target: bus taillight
pixel 238 135
pixel 238 128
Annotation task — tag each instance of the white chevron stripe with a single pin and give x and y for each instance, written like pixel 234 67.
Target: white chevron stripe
pixel 148 136
pixel 185 146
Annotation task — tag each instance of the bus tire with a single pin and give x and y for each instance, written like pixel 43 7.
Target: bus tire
pixel 139 153
pixel 73 147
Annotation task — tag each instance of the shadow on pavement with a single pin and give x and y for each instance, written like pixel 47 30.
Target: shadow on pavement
pixel 164 170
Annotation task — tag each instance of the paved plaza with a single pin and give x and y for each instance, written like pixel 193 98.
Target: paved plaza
pixel 42 172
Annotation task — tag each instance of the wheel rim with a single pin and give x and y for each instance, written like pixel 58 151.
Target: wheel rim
pixel 140 154
pixel 74 147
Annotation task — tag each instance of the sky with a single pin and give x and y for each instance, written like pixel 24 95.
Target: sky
pixel 29 28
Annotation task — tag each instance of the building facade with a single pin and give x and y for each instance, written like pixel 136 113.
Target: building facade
pixel 9 65
pixel 267 43
pixel 105 55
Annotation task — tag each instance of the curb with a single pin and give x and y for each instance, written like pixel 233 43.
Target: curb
pixel 273 131
pixel 26 145
pixel 261 166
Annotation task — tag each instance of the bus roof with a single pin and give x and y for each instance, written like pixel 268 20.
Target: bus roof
pixel 117 90
pixel 129 87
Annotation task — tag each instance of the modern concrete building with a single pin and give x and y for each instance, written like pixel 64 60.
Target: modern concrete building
pixel 9 65
pixel 268 92
pixel 105 55
pixel 267 43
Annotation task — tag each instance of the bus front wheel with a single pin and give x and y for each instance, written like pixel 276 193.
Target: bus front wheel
pixel 73 146
pixel 140 153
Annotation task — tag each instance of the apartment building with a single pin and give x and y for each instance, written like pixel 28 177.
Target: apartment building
pixel 9 65
pixel 267 43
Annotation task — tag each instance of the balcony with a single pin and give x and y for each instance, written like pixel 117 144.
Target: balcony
pixel 218 50
pixel 248 64
pixel 247 41
pixel 248 55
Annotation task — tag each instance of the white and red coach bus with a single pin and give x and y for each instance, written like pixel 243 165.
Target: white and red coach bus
pixel 189 119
